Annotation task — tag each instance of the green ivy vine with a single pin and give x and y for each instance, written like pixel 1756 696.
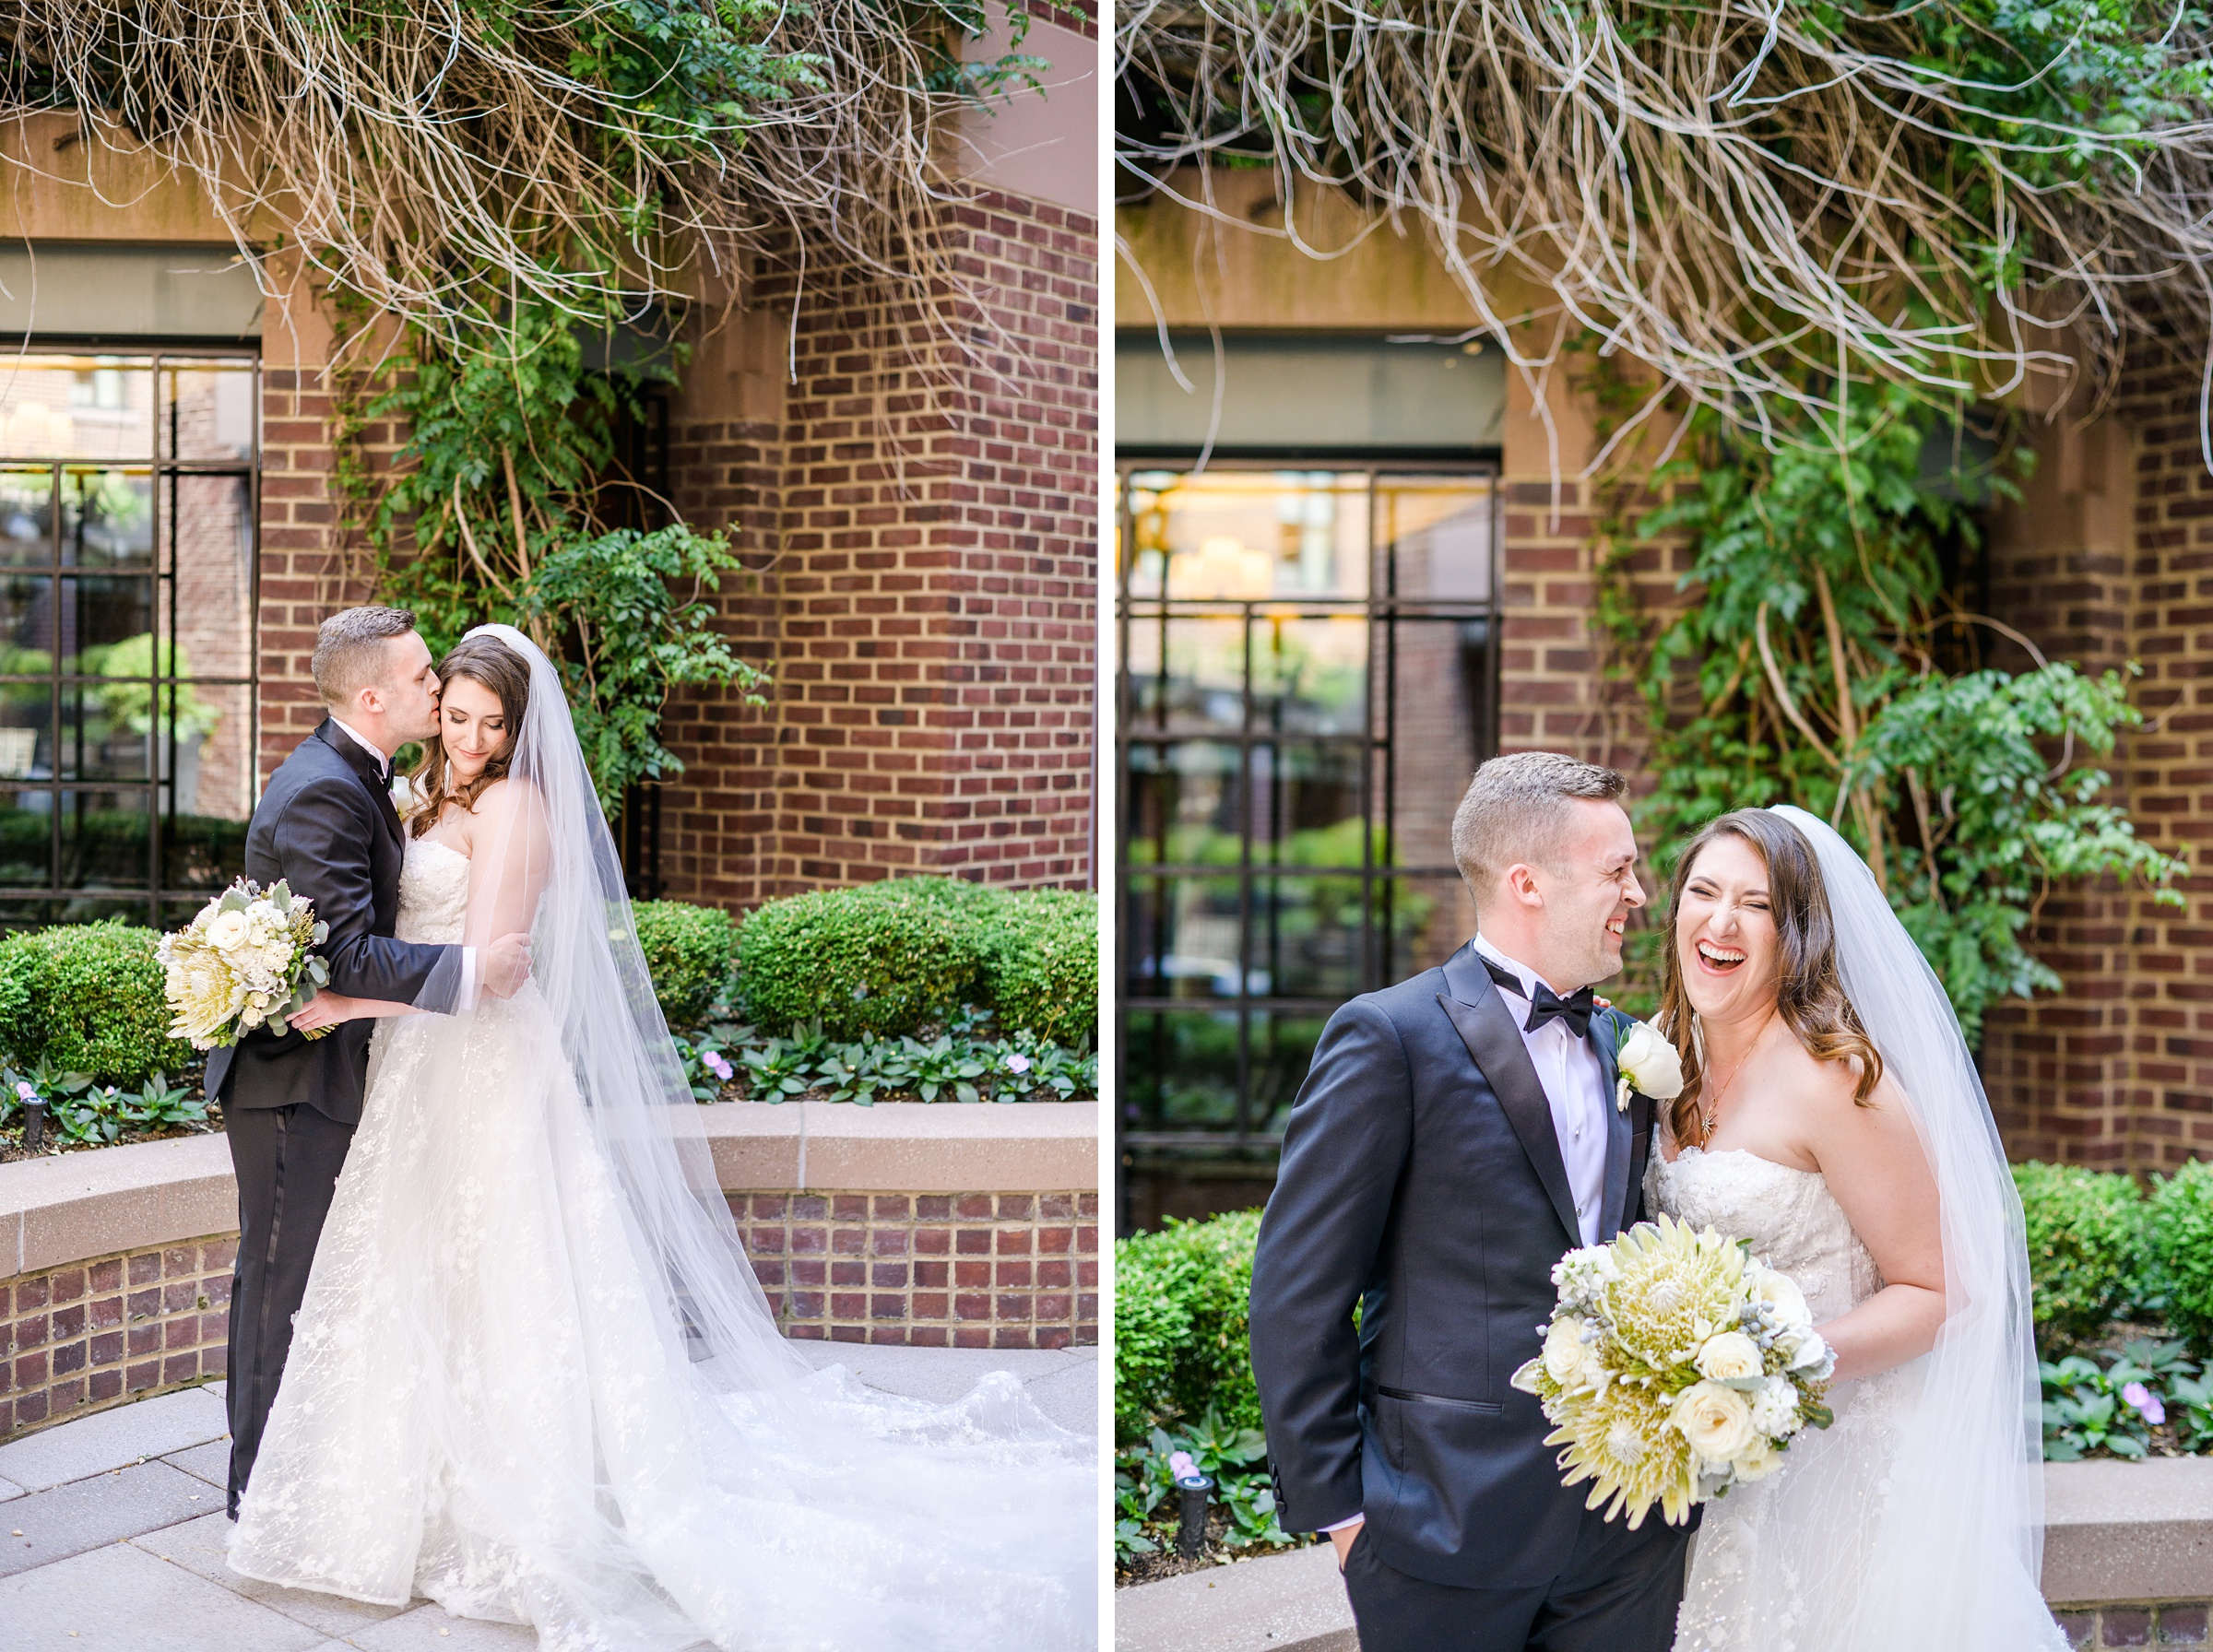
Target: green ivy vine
pixel 1821 651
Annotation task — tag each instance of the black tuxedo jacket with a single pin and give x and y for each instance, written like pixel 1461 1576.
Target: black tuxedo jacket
pixel 1422 1179
pixel 325 825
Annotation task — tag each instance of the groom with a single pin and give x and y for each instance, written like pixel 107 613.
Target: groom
pixel 325 825
pixel 1456 1134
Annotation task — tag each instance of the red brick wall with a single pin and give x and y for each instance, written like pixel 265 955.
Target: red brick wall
pixel 2117 1070
pixel 927 523
pixel 96 1333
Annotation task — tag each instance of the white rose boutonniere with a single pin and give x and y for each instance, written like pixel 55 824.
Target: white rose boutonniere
pixel 1646 1062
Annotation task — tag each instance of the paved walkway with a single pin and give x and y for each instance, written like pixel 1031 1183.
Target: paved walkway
pixel 112 1528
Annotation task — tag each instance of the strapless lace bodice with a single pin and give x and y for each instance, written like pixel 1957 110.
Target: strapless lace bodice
pixel 1793 1220
pixel 433 894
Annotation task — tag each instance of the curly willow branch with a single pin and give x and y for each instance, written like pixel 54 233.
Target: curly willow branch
pixel 1763 212
pixel 440 157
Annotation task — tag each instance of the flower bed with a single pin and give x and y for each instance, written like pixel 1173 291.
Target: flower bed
pixel 2124 1295
pixel 1005 1010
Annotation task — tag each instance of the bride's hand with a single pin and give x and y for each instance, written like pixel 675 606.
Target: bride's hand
pixel 326 1008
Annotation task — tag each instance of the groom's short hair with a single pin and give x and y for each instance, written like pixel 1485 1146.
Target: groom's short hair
pixel 1516 809
pixel 350 655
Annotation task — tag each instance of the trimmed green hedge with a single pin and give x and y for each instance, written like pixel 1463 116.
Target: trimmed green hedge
pixel 687 952
pixel 2180 1223
pixel 2085 1243
pixel 879 959
pixel 1180 1312
pixel 884 957
pixel 87 998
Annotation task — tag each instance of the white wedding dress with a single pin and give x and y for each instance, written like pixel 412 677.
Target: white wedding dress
pixel 489 1402
pixel 1779 1565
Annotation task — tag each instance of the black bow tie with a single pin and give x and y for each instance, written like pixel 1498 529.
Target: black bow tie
pixel 1545 1004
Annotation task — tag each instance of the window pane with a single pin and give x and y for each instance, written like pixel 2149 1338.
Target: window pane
pixel 1182 940
pixel 26 517
pixel 107 519
pixel 1185 805
pixel 104 838
pixel 1307 939
pixel 107 625
pixel 208 409
pixel 26 838
pixel 1182 1069
pixel 213 767
pixel 210 527
pixel 27 624
pixel 1281 1050
pixel 1199 683
pixel 1310 675
pixel 1422 922
pixel 1441 730
pixel 1308 811
pixel 77 408
pixel 1248 535
pixel 104 730
pixel 1437 533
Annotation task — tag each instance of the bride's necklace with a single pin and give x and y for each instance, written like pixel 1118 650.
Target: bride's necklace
pixel 1709 1117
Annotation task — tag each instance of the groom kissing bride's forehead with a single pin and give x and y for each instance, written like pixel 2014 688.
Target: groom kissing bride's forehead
pixel 1457 1133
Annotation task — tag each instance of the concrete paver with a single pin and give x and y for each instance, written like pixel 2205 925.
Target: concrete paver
pixel 89 1514
pixel 127 1547
pixel 211 1462
pixel 111 1439
pixel 120 1599
pixel 201 1547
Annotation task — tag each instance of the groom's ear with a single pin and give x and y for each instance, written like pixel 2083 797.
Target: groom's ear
pixel 1518 883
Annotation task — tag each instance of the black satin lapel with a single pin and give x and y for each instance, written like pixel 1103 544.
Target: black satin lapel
pixel 1642 1109
pixel 1495 1044
pixel 1605 1034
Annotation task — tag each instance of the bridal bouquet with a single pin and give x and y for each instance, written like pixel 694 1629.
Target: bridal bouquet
pixel 245 961
pixel 1676 1364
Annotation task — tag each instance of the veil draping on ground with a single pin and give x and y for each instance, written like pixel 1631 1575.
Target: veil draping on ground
pixel 820 1512
pixel 1959 1549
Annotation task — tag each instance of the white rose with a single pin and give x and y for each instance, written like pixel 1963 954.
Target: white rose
pixel 1566 1353
pixel 1729 1354
pixel 1757 1461
pixel 1780 1292
pixel 1715 1419
pixel 228 931
pixel 1651 1063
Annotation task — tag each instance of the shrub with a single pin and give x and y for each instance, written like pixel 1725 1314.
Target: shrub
pixel 87 998
pixel 1180 1313
pixel 2086 1231
pixel 1042 967
pixel 879 959
pixel 2180 1224
pixel 688 950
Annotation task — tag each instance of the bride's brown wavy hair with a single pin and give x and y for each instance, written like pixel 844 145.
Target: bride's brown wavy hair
pixel 1809 992
pixel 490 662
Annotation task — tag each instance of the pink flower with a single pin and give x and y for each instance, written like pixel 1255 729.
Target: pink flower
pixel 2146 1401
pixel 717 1064
pixel 1181 1466
pixel 27 1091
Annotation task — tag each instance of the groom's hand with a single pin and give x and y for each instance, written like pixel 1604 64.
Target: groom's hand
pixel 508 964
pixel 1342 1537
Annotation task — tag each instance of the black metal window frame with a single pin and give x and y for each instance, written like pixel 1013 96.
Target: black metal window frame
pixel 1378 742
pixel 159 786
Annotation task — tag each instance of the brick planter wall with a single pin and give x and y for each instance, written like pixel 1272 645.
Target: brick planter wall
pixel 2169 1624
pixel 928 1269
pixel 92 1334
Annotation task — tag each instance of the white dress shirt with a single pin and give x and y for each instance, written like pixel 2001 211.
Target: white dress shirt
pixel 384 770
pixel 1575 1083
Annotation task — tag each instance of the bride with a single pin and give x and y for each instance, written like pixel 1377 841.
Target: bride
pixel 1831 1116
pixel 534 1378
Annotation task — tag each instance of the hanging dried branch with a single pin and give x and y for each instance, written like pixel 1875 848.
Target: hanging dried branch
pixel 442 158
pixel 1771 203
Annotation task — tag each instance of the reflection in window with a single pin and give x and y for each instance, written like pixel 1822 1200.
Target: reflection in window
pixel 1307 676
pixel 127 544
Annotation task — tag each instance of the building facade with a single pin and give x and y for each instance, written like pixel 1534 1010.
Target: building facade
pixel 1359 382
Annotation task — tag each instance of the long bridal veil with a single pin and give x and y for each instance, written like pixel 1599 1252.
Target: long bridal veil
pixel 1959 1553
pixel 725 1487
